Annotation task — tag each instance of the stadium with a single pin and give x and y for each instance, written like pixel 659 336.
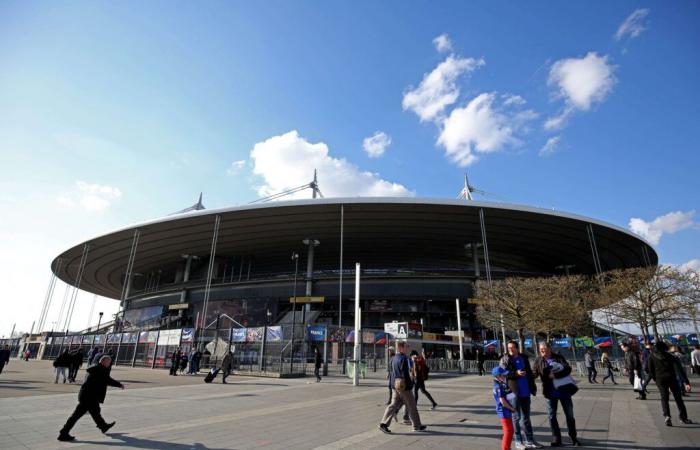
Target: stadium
pixel 240 266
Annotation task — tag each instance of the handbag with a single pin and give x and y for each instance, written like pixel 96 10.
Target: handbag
pixel 638 386
pixel 565 386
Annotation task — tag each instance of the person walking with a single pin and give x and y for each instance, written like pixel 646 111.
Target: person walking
pixel 183 363
pixel 607 365
pixel 633 367
pixel 62 363
pixel 521 381
pixel 505 404
pixel 544 368
pixel 92 393
pixel 4 357
pixel 590 366
pixel 680 374
pixel 420 372
pixel 392 352
pixel 91 355
pixel 400 377
pixel 226 366
pixel 174 361
pixel 317 364
pixel 480 361
pixel 76 363
pixel 645 355
pixel 694 360
pixel 664 368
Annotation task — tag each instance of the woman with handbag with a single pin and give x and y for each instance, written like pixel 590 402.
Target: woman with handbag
pixel 607 364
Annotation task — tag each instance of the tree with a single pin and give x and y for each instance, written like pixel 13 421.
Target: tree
pixel 690 298
pixel 650 296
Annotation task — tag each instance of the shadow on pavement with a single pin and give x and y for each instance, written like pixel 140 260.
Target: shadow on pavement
pixel 134 442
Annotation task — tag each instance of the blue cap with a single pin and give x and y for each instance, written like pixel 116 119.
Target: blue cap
pixel 498 370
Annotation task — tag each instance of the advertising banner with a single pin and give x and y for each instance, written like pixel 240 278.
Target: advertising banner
pixel 583 342
pixel 129 338
pixel 148 337
pixel 350 337
pixel 368 337
pixel 603 342
pixel 316 333
pixel 113 338
pixel 492 345
pixel 528 343
pixel 238 335
pixel 337 335
pixel 187 335
pixel 561 343
pixel 274 334
pixel 680 339
pixel 380 338
pixel 254 334
pixel 693 339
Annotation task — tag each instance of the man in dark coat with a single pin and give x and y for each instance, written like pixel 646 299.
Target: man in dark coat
pixel 4 357
pixel 544 369
pixel 480 361
pixel 61 363
pixel 92 393
pixel 664 368
pixel 174 361
pixel 317 364
pixel 226 366
pixel 76 362
pixel 521 382
pixel 633 366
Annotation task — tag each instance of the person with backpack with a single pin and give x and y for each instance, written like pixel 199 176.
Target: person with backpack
pixel 420 372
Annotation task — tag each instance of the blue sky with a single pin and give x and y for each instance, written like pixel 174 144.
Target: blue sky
pixel 116 113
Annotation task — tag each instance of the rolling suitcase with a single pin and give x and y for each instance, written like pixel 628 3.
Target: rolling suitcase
pixel 211 375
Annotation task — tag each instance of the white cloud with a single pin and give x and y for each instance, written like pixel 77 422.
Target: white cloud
pixel 667 224
pixel 442 43
pixel 550 146
pixel 693 264
pixel 513 100
pixel 288 161
pixel 236 167
pixel 557 122
pixel 633 25
pixel 376 144
pixel 90 196
pixel 583 81
pixel 438 89
pixel 480 127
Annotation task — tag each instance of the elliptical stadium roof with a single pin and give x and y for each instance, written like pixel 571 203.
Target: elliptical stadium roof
pixel 520 239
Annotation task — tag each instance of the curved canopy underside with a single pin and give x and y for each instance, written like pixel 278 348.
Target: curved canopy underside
pixel 377 232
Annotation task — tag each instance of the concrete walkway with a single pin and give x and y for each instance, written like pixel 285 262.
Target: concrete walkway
pixel 157 411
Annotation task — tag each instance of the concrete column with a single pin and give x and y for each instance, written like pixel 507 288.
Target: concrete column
pixel 309 267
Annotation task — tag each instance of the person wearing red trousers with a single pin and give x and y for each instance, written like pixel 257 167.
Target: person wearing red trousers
pixel 505 399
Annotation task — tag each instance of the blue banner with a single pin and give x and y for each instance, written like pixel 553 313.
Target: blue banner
pixel 528 343
pixel 238 334
pixel 316 333
pixel 187 334
pixel 561 343
pixel 693 339
pixel 274 334
pixel 493 345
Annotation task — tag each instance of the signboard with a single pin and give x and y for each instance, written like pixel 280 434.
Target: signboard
pixel 176 306
pixel 379 306
pixel 169 337
pixel 603 342
pixel 316 333
pixel 306 299
pixel 583 342
pixel 238 335
pixel 398 330
pixel 274 334
pixel 561 343
pixel 187 335
pixel 693 339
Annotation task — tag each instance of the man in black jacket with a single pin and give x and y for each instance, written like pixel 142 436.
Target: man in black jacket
pixel 4 357
pixel 76 362
pixel 61 363
pixel 544 368
pixel 663 368
pixel 92 393
pixel 633 366
pixel 521 381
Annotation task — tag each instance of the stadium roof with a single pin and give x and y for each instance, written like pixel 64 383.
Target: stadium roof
pixel 520 238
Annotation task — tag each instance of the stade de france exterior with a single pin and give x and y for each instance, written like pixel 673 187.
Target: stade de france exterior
pixel 416 256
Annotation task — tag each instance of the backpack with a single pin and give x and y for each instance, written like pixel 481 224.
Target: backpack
pixel 424 371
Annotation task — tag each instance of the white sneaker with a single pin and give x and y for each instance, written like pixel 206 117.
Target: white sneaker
pixel 520 446
pixel 533 444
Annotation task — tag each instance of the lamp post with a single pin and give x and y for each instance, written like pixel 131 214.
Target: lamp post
pixel 99 321
pixel 295 257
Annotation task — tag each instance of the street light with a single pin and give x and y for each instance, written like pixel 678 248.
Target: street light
pixel 99 321
pixel 295 257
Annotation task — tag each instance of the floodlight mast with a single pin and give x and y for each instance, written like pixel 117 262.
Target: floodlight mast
pixel 313 185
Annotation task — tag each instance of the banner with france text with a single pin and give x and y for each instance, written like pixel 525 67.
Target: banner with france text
pixel 316 333
pixel 561 343
pixel 693 339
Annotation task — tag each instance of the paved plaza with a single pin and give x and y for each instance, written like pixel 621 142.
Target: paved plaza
pixel 157 411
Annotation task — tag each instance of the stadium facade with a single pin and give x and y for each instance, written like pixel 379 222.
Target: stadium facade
pixel 417 256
